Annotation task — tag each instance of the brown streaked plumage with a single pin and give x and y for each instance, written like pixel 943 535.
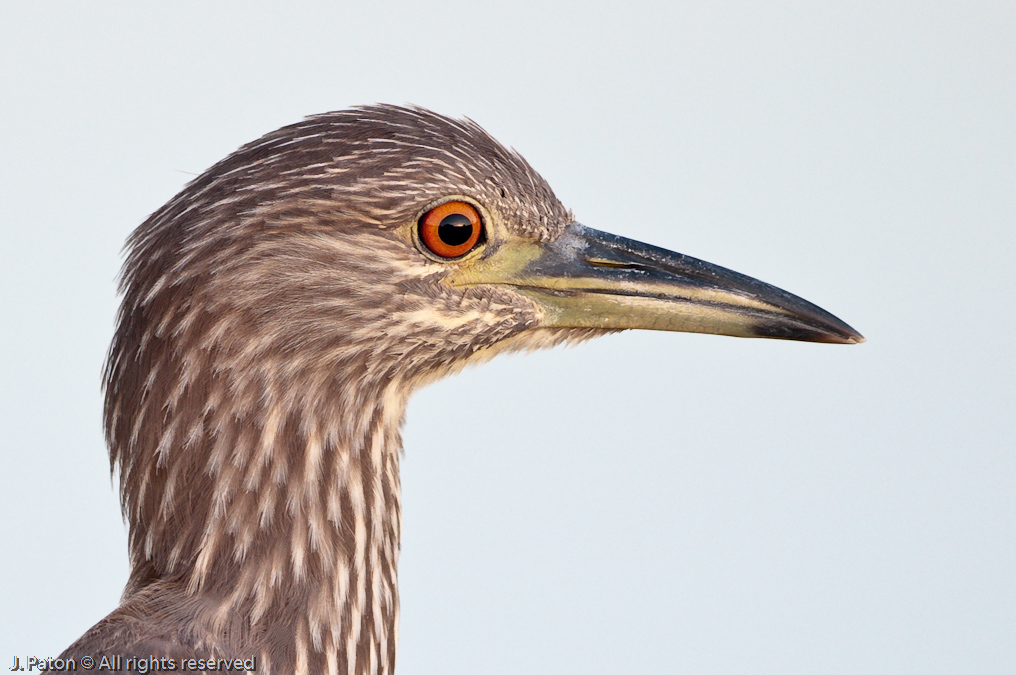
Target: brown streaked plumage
pixel 276 315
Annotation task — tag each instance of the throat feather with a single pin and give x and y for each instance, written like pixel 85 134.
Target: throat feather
pixel 289 526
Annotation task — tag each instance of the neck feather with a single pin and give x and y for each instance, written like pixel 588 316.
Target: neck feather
pixel 279 514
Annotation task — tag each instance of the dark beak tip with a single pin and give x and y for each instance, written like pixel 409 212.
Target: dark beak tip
pixel 837 333
pixel 848 337
pixel 845 337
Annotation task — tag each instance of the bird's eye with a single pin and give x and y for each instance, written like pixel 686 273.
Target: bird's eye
pixel 451 230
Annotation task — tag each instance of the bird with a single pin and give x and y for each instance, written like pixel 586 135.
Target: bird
pixel 276 315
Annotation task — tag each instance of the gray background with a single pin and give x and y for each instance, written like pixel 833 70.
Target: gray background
pixel 647 502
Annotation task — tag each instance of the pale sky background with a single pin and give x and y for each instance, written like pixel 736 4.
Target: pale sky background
pixel 646 502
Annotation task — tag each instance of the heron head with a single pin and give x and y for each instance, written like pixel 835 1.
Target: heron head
pixel 394 242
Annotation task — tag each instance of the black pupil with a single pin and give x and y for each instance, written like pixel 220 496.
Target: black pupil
pixel 455 229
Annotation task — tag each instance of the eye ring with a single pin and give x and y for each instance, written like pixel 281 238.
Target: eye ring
pixel 451 230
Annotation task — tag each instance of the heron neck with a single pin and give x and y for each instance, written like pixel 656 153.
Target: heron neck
pixel 282 522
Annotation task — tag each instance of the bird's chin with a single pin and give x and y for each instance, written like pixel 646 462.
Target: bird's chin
pixel 526 341
pixel 546 337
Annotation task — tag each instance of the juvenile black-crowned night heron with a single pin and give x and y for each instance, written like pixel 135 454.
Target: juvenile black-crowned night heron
pixel 278 312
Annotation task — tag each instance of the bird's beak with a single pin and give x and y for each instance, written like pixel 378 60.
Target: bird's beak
pixel 591 279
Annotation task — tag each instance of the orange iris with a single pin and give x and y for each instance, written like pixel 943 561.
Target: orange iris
pixel 451 230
